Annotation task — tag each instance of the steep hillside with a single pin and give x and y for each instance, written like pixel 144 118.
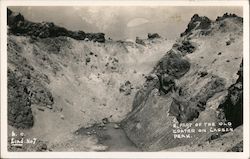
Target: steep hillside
pixel 195 82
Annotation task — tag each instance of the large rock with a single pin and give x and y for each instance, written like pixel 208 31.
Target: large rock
pixel 153 35
pixel 149 116
pixel 172 64
pixel 196 23
pixel 185 47
pixel 96 37
pixel 139 41
pixel 126 88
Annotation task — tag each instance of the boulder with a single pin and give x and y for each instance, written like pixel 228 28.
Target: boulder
pixel 96 37
pixel 185 47
pixel 153 35
pixel 139 41
pixel 173 65
pixel 126 88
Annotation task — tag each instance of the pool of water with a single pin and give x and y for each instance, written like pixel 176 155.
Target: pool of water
pixel 110 135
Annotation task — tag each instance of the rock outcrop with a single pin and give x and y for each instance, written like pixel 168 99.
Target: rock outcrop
pixel 226 15
pixel 19 103
pixel 139 41
pixel 18 25
pixel 196 23
pixel 26 86
pixel 185 47
pixel 153 35
pixel 233 105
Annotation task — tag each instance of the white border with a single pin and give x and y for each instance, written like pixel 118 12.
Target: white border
pixel 6 154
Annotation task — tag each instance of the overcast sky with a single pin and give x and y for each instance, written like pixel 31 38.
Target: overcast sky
pixel 124 22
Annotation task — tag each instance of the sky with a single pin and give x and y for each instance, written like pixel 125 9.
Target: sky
pixel 123 22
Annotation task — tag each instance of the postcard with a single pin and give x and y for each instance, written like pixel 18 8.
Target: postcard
pixel 124 79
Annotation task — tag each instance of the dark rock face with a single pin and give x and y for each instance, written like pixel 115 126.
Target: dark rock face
pixel 233 106
pixel 96 37
pixel 173 65
pixel 170 67
pixel 33 80
pixel 26 86
pixel 19 26
pixel 153 35
pixel 197 22
pixel 19 110
pixel 14 18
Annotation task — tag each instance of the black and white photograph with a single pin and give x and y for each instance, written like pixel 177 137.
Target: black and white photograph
pixel 121 78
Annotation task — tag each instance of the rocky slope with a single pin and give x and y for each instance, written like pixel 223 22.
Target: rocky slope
pixel 64 86
pixel 65 83
pixel 199 80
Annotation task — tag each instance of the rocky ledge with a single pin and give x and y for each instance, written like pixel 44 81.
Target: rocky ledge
pixel 18 25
